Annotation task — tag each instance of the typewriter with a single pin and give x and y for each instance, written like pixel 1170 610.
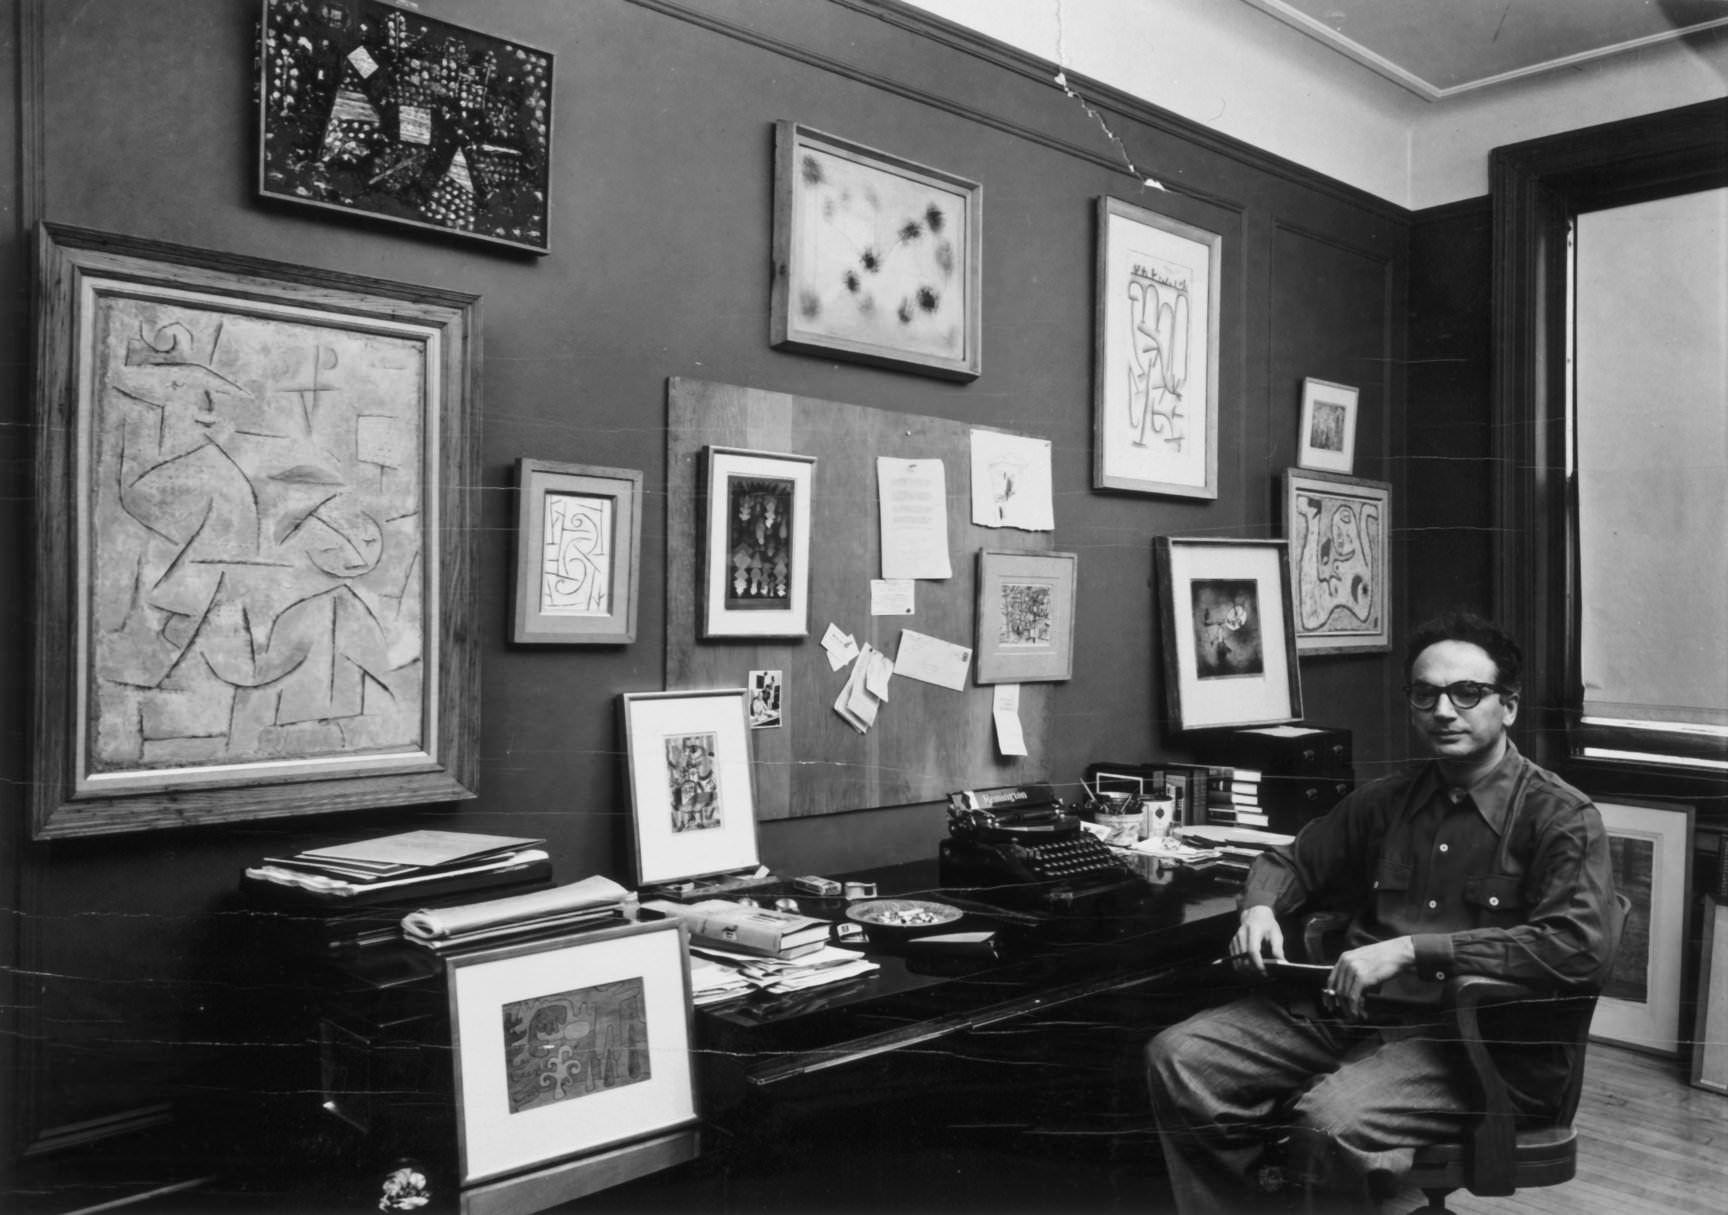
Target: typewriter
pixel 1018 846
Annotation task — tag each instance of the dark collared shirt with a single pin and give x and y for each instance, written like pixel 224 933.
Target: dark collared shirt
pixel 1510 878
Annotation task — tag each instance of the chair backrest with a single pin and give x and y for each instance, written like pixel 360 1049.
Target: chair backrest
pixel 1586 1008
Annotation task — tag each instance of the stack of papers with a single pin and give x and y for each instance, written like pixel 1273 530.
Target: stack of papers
pixel 577 905
pixel 404 855
pixel 719 974
pixel 402 868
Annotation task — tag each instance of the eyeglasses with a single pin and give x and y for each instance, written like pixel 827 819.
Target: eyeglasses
pixel 1465 694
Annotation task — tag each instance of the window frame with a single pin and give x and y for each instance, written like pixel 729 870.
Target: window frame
pixel 1538 189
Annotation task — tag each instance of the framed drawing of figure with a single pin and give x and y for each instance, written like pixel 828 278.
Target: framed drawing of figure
pixel 1340 531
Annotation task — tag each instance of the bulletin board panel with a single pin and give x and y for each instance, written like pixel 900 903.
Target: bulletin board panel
pixel 927 740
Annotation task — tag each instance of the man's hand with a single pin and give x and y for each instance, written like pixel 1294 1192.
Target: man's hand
pixel 1357 970
pixel 1255 935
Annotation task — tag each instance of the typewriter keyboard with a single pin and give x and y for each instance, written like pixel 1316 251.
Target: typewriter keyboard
pixel 1076 857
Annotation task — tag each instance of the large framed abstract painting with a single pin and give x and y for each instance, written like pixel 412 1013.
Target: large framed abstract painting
pixel 1228 641
pixel 1155 363
pixel 755 545
pixel 1340 531
pixel 568 1045
pixel 256 534
pixel 692 786
pixel 876 259
pixel 1651 846
pixel 1025 616
pixel 578 553
pixel 368 108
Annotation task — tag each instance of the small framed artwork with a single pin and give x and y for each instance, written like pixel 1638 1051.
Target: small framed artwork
pixel 1339 529
pixel 569 1045
pixel 1652 850
pixel 371 110
pixel 578 553
pixel 256 539
pixel 1229 643
pixel 1710 1037
pixel 692 789
pixel 765 693
pixel 1155 368
pixel 876 259
pixel 1326 440
pixel 1025 616
pixel 755 576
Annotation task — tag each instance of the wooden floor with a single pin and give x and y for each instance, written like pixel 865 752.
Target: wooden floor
pixel 1648 1142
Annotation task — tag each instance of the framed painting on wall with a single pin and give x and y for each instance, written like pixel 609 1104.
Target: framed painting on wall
pixel 1229 644
pixel 256 538
pixel 373 110
pixel 1652 851
pixel 1025 616
pixel 564 1046
pixel 755 576
pixel 1155 366
pixel 578 553
pixel 1339 529
pixel 1326 437
pixel 692 788
pixel 876 259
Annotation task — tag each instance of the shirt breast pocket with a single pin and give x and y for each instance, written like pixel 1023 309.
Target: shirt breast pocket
pixel 1391 888
pixel 1497 900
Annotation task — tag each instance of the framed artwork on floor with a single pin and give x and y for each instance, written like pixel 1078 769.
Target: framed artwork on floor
pixel 372 110
pixel 256 539
pixel 564 1046
pixel 1326 437
pixel 692 788
pixel 1652 850
pixel 1710 1032
pixel 876 259
pixel 755 577
pixel 1228 640
pixel 1155 364
pixel 1025 616
pixel 1340 530
pixel 578 553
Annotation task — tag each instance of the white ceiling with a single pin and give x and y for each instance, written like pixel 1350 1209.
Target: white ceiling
pixel 1440 48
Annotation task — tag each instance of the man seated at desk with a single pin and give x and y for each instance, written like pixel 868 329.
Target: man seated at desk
pixel 1476 861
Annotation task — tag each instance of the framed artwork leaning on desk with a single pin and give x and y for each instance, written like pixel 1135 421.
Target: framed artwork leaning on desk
pixel 568 1045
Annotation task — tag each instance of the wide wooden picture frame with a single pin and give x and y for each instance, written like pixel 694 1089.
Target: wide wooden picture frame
pixel 617 1001
pixel 1229 643
pixel 372 110
pixel 1025 616
pixel 755 575
pixel 692 784
pixel 256 538
pixel 1652 856
pixel 877 259
pixel 1340 531
pixel 1709 1068
pixel 1156 347
pixel 1326 434
pixel 578 553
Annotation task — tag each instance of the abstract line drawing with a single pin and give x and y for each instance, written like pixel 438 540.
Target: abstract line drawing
pixel 1158 344
pixel 576 561
pixel 1227 630
pixel 693 779
pixel 254 538
pixel 1337 541
pixel 1026 621
pixel 568 1045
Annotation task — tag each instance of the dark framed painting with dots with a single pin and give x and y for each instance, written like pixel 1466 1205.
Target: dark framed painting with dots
pixel 369 108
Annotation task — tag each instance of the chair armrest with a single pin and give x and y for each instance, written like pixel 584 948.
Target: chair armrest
pixel 1494 1137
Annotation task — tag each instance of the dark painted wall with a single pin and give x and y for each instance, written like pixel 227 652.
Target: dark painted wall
pixel 135 117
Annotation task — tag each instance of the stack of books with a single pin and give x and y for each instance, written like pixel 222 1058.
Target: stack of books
pixel 744 928
pixel 737 949
pixel 1233 798
pixel 356 894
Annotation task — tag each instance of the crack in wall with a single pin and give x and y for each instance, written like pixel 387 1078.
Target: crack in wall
pixel 1061 80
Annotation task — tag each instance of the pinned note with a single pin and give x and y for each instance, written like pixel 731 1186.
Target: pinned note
pixel 1005 708
pixel 932 660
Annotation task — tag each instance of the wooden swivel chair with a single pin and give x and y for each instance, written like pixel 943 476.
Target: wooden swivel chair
pixel 1497 1154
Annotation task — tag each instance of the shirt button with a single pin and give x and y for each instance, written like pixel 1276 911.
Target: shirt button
pixel 1432 904
pixel 1439 975
pixel 1493 900
pixel 1445 847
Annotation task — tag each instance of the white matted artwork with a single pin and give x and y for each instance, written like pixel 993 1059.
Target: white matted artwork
pixel 1326 438
pixel 1229 643
pixel 692 789
pixel 1652 850
pixel 567 1045
pixel 755 548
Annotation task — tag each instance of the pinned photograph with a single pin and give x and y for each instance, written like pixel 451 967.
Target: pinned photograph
pixel 765 689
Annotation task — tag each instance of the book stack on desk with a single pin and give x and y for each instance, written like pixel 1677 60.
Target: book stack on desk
pixel 744 928
pixel 356 893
